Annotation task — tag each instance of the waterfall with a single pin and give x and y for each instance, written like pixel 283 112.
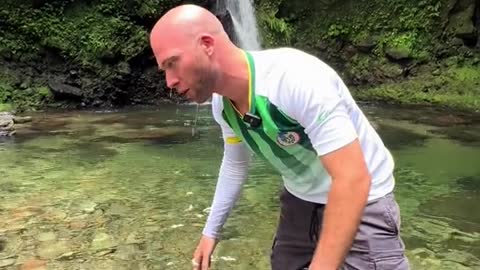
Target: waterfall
pixel 244 22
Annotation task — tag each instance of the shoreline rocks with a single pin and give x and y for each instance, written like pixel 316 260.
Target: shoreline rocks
pixel 8 121
pixel 7 127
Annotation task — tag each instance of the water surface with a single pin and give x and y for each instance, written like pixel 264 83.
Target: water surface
pixel 130 189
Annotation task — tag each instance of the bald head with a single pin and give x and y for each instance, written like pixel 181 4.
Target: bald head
pixel 189 19
pixel 183 25
pixel 191 46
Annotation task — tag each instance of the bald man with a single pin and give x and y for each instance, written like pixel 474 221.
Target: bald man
pixel 290 108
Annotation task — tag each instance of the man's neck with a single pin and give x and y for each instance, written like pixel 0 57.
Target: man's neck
pixel 234 80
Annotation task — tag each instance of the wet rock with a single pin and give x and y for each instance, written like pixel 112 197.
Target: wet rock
pixel 22 119
pixel 48 250
pixel 3 244
pixel 105 252
pixel 128 252
pixel 67 256
pixel 6 124
pixel 118 209
pixel 78 223
pixel 470 183
pixel 65 91
pixel 45 237
pixel 365 44
pixel 398 52
pixel 461 22
pixel 7 262
pixel 103 241
pixel 88 207
pixel 398 137
pixel 134 238
pixel 34 264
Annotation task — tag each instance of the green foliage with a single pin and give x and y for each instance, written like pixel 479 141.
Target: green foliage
pixel 27 96
pixel 275 31
pixel 338 31
pixel 91 34
pixel 5 107
pixel 457 88
pixel 409 24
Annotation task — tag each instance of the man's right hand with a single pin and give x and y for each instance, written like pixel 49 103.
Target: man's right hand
pixel 203 253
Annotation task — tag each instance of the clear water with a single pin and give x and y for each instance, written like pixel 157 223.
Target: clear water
pixel 130 190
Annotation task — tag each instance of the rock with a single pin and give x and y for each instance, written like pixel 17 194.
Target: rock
pixel 88 207
pixel 61 90
pixel 7 262
pixel 461 20
pixel 126 253
pixel 22 120
pixel 48 250
pixel 392 70
pixel 45 237
pixel 34 264
pixel 365 44
pixel 103 241
pixel 67 256
pixel 134 238
pixel 457 41
pixel 398 52
pixel 6 124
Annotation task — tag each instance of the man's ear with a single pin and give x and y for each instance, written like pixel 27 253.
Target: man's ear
pixel 207 42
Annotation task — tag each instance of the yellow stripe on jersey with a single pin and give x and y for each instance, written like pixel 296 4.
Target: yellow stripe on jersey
pixel 233 140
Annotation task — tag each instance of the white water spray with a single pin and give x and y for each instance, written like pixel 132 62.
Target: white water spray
pixel 245 27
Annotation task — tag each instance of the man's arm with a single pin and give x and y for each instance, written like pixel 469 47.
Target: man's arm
pixel 346 201
pixel 232 175
pixel 318 99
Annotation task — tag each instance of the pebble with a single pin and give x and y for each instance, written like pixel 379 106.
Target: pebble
pixel 103 241
pixel 49 250
pixel 48 236
pixel 34 264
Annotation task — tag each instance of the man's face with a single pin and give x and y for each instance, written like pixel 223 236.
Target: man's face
pixel 188 70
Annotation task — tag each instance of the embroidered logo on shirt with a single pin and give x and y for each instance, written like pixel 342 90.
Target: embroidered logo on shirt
pixel 288 138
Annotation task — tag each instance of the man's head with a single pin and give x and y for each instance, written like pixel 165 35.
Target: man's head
pixel 184 42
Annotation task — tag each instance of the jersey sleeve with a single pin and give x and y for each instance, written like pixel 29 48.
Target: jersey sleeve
pixel 232 175
pixel 315 98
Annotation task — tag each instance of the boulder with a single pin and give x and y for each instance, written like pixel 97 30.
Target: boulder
pixel 6 124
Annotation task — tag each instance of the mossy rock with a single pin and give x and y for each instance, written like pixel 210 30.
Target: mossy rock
pixel 399 51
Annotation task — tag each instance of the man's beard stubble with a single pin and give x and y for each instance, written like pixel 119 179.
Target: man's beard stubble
pixel 205 84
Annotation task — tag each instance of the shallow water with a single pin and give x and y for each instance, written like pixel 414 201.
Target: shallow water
pixel 131 189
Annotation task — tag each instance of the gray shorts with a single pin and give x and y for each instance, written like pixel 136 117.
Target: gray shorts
pixel 377 244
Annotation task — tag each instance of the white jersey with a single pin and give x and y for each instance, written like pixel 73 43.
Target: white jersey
pixel 306 111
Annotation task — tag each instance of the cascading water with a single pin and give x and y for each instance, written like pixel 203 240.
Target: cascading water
pixel 245 29
pixel 244 22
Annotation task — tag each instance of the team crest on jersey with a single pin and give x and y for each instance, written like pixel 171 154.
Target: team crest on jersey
pixel 288 138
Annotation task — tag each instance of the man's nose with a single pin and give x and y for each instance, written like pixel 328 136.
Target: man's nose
pixel 172 81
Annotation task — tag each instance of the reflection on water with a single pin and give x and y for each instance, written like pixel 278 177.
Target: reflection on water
pixel 131 190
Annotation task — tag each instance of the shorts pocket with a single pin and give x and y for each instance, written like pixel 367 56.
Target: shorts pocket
pixel 391 214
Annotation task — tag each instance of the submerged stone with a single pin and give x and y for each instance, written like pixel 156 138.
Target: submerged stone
pixel 103 241
pixel 7 262
pixel 49 250
pixel 48 236
pixel 397 137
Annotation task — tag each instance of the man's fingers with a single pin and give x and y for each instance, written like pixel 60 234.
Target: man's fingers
pixel 205 262
pixel 196 263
